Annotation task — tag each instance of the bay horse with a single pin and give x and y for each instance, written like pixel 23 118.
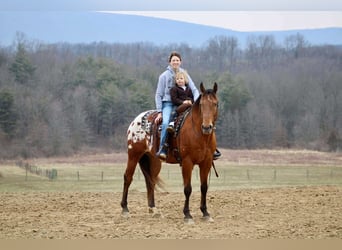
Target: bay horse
pixel 194 144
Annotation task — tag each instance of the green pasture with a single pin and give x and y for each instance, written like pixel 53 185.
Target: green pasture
pixel 109 177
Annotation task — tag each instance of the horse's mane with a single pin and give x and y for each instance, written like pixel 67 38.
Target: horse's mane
pixel 207 92
pixel 196 103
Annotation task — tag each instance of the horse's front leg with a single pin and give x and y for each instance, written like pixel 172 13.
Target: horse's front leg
pixel 186 172
pixel 204 172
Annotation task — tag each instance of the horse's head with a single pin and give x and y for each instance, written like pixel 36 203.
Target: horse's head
pixel 209 108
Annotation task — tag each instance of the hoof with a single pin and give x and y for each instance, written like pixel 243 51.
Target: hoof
pixel 189 221
pixel 207 219
pixel 125 214
pixel 155 212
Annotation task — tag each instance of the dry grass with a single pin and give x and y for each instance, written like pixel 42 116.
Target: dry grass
pixel 258 156
pixel 237 169
pixel 281 157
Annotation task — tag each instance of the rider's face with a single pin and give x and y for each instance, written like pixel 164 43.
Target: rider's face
pixel 175 63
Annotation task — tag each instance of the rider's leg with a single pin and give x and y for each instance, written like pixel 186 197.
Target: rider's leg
pixel 166 112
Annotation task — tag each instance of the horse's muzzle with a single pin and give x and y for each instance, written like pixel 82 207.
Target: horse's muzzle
pixel 207 129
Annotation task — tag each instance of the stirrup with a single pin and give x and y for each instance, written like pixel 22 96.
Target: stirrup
pixel 170 129
pixel 162 155
pixel 217 154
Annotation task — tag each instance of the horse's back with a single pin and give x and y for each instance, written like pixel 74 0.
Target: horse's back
pixel 139 131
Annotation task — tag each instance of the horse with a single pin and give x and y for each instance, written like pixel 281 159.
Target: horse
pixel 193 144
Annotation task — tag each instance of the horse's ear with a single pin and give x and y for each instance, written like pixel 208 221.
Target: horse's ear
pixel 215 87
pixel 202 88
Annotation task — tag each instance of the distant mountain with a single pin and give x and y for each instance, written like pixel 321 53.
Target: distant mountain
pixel 88 27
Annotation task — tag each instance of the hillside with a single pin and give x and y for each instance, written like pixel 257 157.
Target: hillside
pixel 88 27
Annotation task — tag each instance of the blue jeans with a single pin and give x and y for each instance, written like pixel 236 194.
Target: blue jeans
pixel 166 112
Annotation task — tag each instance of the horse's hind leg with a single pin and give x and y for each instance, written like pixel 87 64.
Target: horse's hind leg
pixel 128 177
pixel 150 167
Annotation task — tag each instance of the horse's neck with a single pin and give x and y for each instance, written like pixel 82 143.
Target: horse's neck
pixel 196 114
pixel 195 118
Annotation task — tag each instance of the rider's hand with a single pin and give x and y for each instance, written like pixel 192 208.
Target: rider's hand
pixel 158 118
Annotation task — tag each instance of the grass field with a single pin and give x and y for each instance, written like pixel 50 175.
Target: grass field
pixel 250 170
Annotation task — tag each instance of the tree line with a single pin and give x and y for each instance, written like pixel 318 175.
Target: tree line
pixel 59 99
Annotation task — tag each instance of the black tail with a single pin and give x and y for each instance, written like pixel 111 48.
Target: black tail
pixel 145 166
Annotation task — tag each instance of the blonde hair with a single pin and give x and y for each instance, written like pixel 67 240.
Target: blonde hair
pixel 184 74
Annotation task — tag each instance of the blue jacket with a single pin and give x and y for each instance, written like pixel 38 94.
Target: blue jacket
pixel 165 83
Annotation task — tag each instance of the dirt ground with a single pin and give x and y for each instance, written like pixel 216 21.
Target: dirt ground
pixel 272 213
pixel 280 213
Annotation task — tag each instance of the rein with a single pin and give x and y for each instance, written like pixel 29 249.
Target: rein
pixel 193 124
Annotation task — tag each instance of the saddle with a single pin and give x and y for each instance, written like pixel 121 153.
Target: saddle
pixel 153 129
pixel 182 111
pixel 172 138
pixel 150 117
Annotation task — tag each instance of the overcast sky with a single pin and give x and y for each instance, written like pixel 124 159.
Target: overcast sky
pixel 172 5
pixel 242 15
pixel 252 20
